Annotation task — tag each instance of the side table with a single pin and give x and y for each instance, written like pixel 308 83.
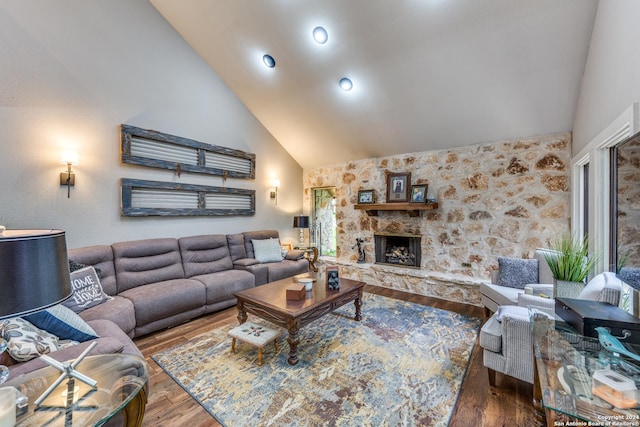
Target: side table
pixel 311 253
pixel 122 386
pixel 564 364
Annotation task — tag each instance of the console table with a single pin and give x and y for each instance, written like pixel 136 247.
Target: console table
pixel 564 363
pixel 122 386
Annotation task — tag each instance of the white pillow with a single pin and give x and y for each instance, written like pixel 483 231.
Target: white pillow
pixel 267 250
pixel 593 290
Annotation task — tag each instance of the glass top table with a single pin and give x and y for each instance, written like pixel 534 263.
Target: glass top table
pixel 564 364
pixel 121 386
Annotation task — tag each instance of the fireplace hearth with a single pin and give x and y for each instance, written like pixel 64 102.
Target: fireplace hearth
pixel 398 249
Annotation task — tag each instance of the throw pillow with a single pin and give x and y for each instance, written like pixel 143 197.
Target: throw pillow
pixel 517 272
pixel 63 323
pixel 87 290
pixel 26 342
pixel 267 250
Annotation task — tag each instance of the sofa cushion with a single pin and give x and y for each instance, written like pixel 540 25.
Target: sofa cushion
pixel 119 310
pixel 517 272
pixel 267 250
pixel 494 296
pixel 286 268
pixel 222 285
pixel 161 300
pixel 205 254
pixel 87 290
pixel 101 258
pixel 141 262
pixel 235 242
pixel 63 323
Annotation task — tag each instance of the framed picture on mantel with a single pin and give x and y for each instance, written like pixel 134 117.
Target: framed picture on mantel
pixel 398 186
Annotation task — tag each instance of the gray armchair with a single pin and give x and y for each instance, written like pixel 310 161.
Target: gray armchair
pixel 511 279
pixel 506 336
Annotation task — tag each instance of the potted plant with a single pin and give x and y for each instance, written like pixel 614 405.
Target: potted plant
pixel 570 261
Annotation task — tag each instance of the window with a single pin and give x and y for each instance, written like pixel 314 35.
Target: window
pixel 323 225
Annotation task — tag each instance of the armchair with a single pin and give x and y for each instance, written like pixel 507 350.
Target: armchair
pixel 515 277
pixel 506 336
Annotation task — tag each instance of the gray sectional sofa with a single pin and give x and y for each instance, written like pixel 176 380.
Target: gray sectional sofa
pixel 159 283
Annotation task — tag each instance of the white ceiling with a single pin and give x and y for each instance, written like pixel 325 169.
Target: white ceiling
pixel 428 74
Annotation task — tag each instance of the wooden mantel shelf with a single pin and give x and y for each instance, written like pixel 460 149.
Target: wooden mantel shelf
pixel 413 209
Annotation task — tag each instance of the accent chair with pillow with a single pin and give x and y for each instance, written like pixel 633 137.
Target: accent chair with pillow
pixel 506 335
pixel 511 279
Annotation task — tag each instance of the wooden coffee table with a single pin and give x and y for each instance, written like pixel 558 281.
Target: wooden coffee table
pixel 270 303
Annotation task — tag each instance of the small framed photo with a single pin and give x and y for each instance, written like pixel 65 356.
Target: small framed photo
pixel 398 187
pixel 333 279
pixel 366 196
pixel 419 193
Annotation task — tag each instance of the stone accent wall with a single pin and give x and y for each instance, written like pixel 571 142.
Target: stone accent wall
pixel 629 202
pixel 496 199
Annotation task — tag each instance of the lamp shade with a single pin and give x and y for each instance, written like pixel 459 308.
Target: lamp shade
pixel 301 221
pixel 34 271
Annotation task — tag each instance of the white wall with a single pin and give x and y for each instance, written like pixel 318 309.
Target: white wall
pixel 72 71
pixel 611 81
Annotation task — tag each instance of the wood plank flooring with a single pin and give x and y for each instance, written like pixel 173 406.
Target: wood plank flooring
pixel 507 404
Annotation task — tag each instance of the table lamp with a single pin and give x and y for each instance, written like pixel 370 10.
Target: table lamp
pixel 301 222
pixel 34 274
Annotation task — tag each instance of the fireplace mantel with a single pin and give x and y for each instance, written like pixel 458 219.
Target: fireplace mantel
pixel 413 209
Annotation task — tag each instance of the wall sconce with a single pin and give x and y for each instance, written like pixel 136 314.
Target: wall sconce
pixel 68 178
pixel 274 193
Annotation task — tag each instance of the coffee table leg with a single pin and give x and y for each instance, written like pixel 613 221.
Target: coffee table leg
pixel 293 340
pixel 242 315
pixel 358 304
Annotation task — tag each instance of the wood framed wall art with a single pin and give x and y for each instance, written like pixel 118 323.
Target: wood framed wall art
pixel 366 196
pixel 398 186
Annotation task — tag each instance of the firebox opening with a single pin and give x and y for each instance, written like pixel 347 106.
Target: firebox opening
pixel 402 250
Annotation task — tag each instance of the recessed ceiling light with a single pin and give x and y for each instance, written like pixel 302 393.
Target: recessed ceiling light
pixel 320 35
pixel 346 84
pixel 269 61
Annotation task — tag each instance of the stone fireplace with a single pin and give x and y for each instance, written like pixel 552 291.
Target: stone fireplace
pixel 398 249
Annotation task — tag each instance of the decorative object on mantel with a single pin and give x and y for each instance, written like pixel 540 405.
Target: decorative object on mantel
pixel 361 254
pixel 413 209
pixel 366 196
pixel 419 193
pixel 154 198
pixel 160 150
pixel 398 187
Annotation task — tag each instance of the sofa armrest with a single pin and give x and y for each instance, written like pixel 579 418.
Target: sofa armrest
pixel 245 262
pixel 294 255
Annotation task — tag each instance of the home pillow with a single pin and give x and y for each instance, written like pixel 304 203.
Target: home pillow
pixel 63 323
pixel 267 250
pixel 517 272
pixel 26 342
pixel 87 290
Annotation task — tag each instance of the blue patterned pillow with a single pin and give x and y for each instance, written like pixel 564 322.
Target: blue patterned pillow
pixel 517 272
pixel 63 323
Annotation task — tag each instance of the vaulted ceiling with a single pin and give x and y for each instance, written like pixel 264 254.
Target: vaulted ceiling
pixel 427 74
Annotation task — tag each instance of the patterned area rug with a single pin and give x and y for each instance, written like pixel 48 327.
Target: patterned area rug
pixel 401 365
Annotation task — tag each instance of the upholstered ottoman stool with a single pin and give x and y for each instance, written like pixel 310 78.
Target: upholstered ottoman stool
pixel 254 334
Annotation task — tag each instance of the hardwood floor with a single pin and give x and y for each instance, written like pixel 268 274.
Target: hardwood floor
pixel 508 404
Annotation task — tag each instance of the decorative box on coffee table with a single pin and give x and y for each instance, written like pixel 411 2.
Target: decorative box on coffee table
pixel 585 315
